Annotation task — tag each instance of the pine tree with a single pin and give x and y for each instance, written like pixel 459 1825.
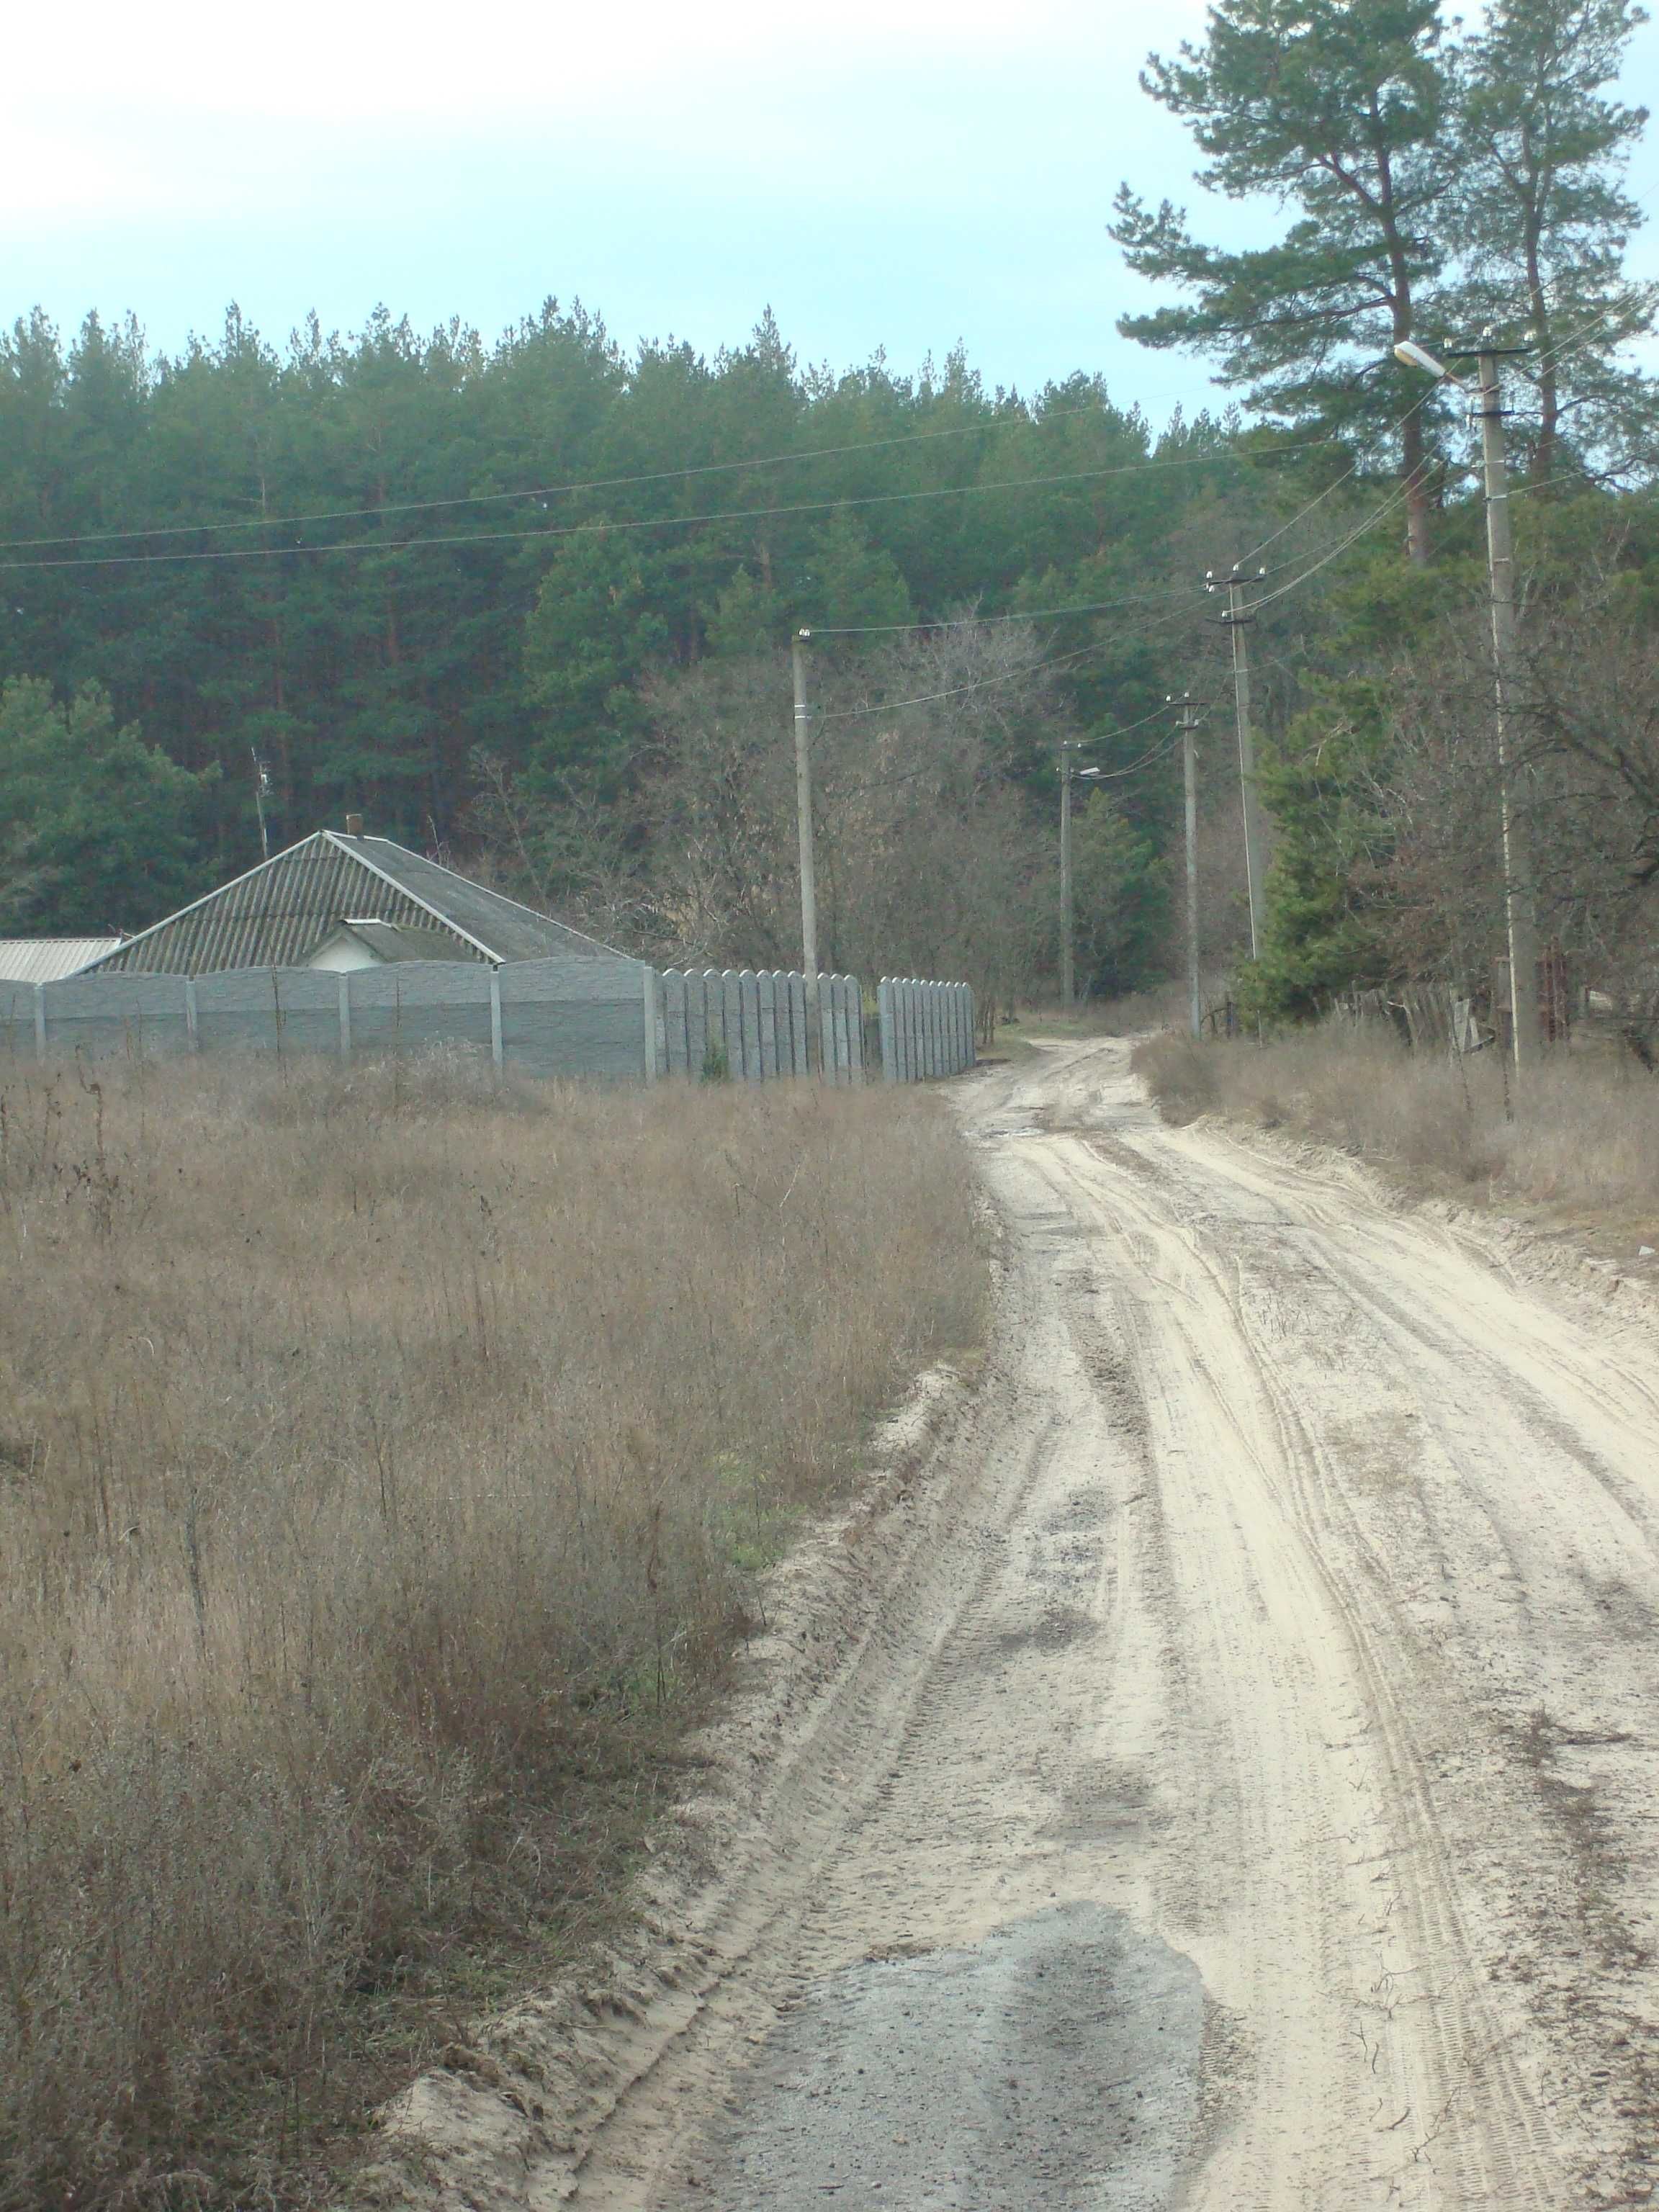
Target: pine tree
pixel 1545 219
pixel 1336 108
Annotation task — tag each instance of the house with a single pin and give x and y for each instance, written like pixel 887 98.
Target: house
pixel 340 902
pixel 48 959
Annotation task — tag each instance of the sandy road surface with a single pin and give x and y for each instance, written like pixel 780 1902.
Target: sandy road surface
pixel 1247 1798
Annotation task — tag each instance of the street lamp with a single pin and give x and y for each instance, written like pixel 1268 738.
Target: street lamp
pixel 1519 915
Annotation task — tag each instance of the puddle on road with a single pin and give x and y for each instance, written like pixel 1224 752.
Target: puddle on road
pixel 1052 2068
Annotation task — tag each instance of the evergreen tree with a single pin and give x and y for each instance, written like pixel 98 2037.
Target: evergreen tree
pixel 100 826
pixel 1545 219
pixel 1336 108
pixel 1317 782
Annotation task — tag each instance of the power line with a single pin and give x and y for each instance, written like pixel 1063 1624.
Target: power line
pixel 1571 343
pixel 543 491
pixel 956 691
pixel 1008 676
pixel 589 529
pixel 1021 614
pixel 654 477
pixel 1335 483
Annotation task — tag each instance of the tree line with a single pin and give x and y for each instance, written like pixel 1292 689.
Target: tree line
pixel 523 603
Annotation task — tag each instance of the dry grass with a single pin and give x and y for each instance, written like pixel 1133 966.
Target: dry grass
pixel 382 1457
pixel 1582 1137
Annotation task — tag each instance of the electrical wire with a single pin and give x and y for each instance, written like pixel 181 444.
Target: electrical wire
pixel 536 491
pixel 1008 676
pixel 744 515
pixel 613 483
pixel 1335 484
pixel 956 691
pixel 1023 614
pixel 1585 335
pixel 1117 775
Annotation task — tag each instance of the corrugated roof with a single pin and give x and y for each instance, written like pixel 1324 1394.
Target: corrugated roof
pixel 279 914
pixel 48 959
pixel 511 931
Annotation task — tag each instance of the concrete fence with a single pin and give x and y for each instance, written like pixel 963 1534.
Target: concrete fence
pixel 753 1025
pixel 573 1015
pixel 926 1028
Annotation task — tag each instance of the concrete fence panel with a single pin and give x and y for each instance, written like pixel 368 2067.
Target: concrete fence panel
pixel 927 1028
pixel 411 1007
pixel 570 1016
pixel 260 1008
pixel 103 1014
pixel 748 1023
pixel 676 1045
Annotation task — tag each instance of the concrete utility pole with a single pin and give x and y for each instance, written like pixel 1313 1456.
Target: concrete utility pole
pixel 1519 905
pixel 1236 617
pixel 808 891
pixel 1520 908
pixel 1190 721
pixel 1067 960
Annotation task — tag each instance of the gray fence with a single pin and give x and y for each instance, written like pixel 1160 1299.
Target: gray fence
pixel 926 1028
pixel 752 1024
pixel 581 1015
pixel 576 1016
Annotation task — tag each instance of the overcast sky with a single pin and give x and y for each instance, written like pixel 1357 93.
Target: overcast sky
pixel 886 175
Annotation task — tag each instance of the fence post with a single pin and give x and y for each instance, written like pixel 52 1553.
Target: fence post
pixel 192 1042
pixel 40 1021
pixel 495 1053
pixel 649 993
pixel 766 984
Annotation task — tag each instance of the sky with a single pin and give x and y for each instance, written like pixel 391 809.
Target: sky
pixel 881 176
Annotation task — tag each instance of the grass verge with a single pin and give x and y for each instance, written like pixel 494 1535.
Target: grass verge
pixel 383 1457
pixel 1579 1139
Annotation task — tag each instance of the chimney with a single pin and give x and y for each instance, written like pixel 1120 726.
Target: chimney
pixel 354 825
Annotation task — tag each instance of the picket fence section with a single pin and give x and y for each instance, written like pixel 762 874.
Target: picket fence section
pixel 926 1028
pixel 753 1025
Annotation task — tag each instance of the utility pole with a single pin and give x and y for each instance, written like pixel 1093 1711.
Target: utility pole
pixel 1189 722
pixel 1067 961
pixel 1236 617
pixel 809 893
pixel 1519 911
pixel 1520 907
pixel 261 793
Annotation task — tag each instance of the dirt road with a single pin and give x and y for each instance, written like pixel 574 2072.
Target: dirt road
pixel 1242 1796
